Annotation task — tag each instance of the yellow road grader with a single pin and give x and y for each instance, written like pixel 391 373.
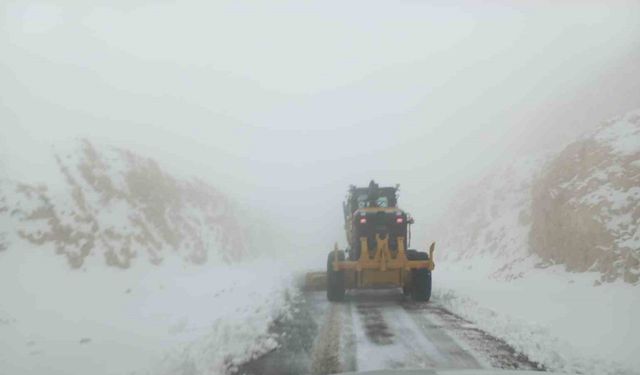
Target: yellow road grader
pixel 378 234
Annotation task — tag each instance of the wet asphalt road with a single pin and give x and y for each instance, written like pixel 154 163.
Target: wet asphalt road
pixel 378 329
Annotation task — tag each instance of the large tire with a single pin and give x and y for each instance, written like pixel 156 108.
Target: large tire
pixel 411 255
pixel 421 281
pixel 335 279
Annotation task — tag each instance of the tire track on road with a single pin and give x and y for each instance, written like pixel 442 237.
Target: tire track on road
pixel 325 357
pixel 379 329
pixel 493 352
pixel 388 337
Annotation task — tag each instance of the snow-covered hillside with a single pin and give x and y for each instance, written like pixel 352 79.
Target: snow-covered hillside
pixel 489 221
pixel 157 276
pixel 586 203
pixel 114 206
pixel 579 208
pixel 544 252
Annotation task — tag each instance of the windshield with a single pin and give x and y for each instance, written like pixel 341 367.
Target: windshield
pixel 382 202
pixel 363 200
pixel 315 187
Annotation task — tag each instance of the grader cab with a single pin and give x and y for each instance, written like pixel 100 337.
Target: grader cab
pixel 378 234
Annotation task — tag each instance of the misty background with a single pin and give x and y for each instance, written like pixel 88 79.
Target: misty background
pixel 283 105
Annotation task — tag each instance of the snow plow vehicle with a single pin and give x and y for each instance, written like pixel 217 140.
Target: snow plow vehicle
pixel 378 234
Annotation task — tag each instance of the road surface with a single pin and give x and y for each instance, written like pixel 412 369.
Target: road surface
pixel 379 329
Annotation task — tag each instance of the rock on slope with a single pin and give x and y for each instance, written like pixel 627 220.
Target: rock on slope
pixel 579 207
pixel 120 206
pixel 586 203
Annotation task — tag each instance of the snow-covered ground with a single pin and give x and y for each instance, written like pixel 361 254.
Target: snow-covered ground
pixel 112 265
pixel 177 318
pixel 556 318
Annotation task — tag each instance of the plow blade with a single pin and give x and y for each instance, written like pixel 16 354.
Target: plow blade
pixel 315 281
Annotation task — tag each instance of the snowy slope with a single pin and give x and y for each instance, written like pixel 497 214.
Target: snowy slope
pixel 586 203
pixel 118 267
pixel 491 220
pixel 115 207
pixel 579 207
pixel 543 252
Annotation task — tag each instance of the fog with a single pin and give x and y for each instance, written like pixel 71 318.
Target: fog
pixel 284 105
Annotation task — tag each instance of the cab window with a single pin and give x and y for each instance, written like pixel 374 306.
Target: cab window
pixel 382 202
pixel 362 200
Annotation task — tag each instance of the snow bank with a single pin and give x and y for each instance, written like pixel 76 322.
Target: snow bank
pixel 556 318
pixel 172 319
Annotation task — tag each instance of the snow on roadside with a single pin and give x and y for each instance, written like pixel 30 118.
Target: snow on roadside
pixel 238 329
pixel 171 319
pixel 556 318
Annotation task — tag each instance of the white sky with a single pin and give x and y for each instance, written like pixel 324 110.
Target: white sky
pixel 284 104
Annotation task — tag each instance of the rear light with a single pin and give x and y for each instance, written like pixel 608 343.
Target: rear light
pixel 399 220
pixel 363 220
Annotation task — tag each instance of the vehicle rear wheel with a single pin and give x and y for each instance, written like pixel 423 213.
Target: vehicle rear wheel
pixel 421 281
pixel 411 255
pixel 335 279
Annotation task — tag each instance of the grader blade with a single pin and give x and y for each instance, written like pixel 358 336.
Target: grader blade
pixel 314 281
